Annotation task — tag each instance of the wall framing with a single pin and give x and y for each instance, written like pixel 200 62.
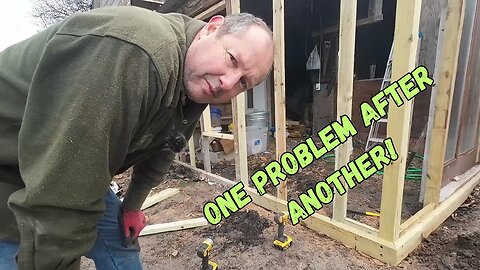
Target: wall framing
pixel 279 86
pixel 394 240
pixel 398 128
pixel 346 52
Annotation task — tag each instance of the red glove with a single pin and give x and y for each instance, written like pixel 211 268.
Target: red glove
pixel 131 223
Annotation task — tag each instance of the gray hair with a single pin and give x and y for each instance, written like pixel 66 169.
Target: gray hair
pixel 240 22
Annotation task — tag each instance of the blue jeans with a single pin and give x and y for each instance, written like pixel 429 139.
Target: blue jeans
pixel 107 252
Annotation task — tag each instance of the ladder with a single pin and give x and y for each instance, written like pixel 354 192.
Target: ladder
pixel 373 137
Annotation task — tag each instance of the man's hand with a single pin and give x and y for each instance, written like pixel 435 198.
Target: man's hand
pixel 131 223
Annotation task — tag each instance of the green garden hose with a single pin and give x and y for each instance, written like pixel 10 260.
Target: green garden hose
pixel 414 174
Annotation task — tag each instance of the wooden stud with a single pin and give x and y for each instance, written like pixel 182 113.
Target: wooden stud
pixel 238 113
pixel 346 59
pixel 191 150
pixel 398 127
pixel 206 126
pixel 232 6
pixel 213 10
pixel 207 121
pixel 240 138
pixel 205 147
pixel 279 87
pixel 158 197
pixel 174 226
pixel 443 101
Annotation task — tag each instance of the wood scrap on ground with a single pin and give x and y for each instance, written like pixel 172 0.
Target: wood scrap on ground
pixel 174 226
pixel 158 197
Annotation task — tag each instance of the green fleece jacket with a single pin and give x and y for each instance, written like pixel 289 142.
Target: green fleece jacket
pixel 80 102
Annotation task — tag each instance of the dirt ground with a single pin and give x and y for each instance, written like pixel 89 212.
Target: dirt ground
pixel 244 240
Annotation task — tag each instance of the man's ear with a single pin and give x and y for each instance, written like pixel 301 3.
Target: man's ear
pixel 214 22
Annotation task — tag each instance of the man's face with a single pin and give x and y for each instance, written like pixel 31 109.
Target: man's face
pixel 219 68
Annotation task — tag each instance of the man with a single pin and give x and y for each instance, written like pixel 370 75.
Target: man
pixel 92 96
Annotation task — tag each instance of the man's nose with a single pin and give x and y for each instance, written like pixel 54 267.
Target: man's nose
pixel 230 79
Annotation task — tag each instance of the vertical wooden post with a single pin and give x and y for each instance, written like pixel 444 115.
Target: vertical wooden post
pixel 279 82
pixel 191 150
pixel 207 121
pixel 346 57
pixel 240 139
pixel 238 114
pixel 398 127
pixel 443 102
pixel 207 166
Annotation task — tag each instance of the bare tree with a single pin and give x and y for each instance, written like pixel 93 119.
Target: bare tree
pixel 48 12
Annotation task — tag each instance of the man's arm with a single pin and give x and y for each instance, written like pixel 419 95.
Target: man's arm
pixel 146 175
pixel 151 172
pixel 81 111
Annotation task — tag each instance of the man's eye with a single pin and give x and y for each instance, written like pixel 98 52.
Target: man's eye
pixel 232 59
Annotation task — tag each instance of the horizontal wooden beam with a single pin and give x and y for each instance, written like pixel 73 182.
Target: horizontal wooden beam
pixel 358 239
pixel 218 135
pixel 213 10
pixel 360 22
pixel 174 226
pixel 361 226
pixel 267 201
pixel 413 219
pixel 158 197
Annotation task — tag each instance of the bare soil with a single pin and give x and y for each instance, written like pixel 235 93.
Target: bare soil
pixel 245 239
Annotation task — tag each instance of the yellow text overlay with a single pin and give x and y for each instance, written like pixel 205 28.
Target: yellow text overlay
pixel 308 151
pixel 353 173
